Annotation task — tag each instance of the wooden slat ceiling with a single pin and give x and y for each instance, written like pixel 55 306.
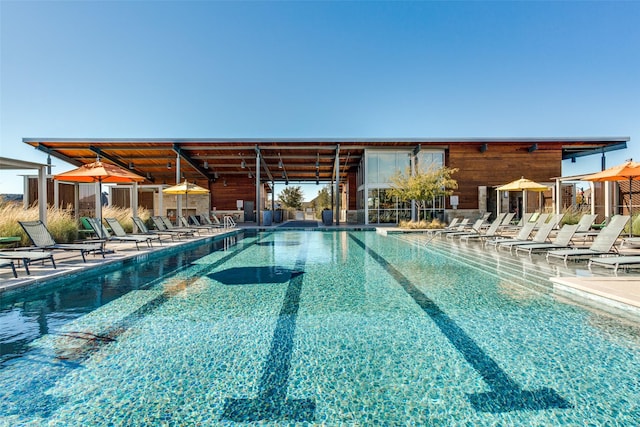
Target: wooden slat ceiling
pixel 293 160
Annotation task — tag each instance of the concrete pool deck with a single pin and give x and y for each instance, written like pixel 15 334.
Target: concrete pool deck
pixel 622 292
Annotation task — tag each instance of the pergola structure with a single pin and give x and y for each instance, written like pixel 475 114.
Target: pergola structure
pixel 15 164
pixel 270 160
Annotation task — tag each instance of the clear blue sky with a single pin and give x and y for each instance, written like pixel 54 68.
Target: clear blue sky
pixel 103 69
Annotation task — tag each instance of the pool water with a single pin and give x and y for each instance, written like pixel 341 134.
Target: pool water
pixel 308 327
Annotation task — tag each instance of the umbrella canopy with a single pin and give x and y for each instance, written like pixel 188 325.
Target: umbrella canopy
pixel 185 188
pixel 627 171
pixel 99 172
pixel 523 184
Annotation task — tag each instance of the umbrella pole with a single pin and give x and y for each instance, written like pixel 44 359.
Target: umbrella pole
pixel 630 208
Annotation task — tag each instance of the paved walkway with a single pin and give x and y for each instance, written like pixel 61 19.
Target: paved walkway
pixel 70 262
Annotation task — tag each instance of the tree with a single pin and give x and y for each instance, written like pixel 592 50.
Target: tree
pixel 291 197
pixel 322 201
pixel 424 186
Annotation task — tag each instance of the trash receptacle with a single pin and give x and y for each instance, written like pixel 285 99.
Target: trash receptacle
pixel 267 218
pixel 327 217
pixel 277 216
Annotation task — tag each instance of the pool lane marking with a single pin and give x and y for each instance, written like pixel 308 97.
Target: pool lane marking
pixel 272 402
pixel 505 395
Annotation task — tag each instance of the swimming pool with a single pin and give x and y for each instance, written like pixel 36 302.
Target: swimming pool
pixel 316 328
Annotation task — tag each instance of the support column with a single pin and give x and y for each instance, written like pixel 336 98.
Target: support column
pixel 607 201
pixel 258 210
pixel 592 187
pixel 336 192
pixel 42 194
pixel 557 196
pixel 134 199
pixel 179 196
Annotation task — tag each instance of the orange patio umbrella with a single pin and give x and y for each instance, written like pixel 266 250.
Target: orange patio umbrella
pixel 626 171
pixel 99 172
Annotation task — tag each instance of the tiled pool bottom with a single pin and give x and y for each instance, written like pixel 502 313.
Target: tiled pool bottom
pixel 338 328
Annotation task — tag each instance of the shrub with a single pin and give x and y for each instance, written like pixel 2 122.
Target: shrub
pixel 60 222
pixel 421 225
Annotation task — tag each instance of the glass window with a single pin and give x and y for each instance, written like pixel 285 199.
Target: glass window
pixel 430 159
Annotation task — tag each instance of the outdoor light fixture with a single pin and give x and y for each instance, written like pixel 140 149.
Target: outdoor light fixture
pixel 243 164
pixel 317 160
pixel 130 165
pixel 149 176
pixel 224 182
pixel 215 175
pixel 205 165
pixel 283 175
pixel 484 147
pixel 182 175
pixel 168 165
pixel 250 175
pixel 533 148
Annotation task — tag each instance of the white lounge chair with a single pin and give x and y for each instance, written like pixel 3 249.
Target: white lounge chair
pixel 490 233
pixel 523 234
pixel 562 241
pixel 604 243
pixel 614 262
pixel 541 236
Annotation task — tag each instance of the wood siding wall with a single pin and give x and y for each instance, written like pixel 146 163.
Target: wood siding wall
pixel 500 164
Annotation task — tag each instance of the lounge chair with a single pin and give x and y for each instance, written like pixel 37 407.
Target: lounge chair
pixel 614 262
pixel 561 241
pixel 461 226
pixel 603 244
pixel 161 226
pixel 42 239
pixel 167 223
pixel 453 224
pixel 185 224
pixel 491 232
pixel 143 230
pixel 27 257
pixel 103 233
pixel 523 234
pixel 196 221
pixel 584 226
pixel 541 236
pixel 475 229
pixel 119 233
pixel 10 264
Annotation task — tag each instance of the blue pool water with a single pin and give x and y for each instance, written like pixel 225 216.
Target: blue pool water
pixel 326 328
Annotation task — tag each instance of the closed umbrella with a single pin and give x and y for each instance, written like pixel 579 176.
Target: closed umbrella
pixel 99 172
pixel 628 170
pixel 523 184
pixel 185 188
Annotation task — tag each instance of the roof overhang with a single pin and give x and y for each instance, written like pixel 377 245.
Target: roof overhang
pixel 15 164
pixel 281 159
